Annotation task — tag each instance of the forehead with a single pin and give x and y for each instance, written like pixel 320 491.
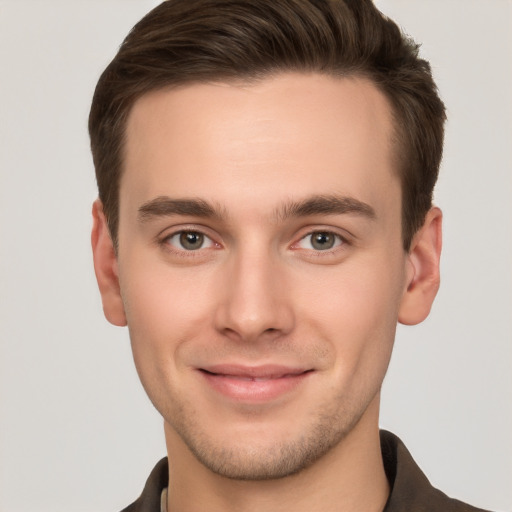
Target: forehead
pixel 293 133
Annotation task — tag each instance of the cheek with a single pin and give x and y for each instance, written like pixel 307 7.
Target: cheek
pixel 166 310
pixel 164 307
pixel 355 307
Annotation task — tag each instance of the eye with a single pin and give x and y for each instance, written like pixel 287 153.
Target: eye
pixel 320 241
pixel 189 240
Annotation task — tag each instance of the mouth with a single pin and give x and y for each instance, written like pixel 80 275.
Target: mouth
pixel 254 383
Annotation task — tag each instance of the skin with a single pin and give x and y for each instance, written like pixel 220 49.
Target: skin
pixel 260 172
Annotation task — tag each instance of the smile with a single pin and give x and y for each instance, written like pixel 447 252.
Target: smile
pixel 253 384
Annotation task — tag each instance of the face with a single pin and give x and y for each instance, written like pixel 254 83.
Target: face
pixel 260 265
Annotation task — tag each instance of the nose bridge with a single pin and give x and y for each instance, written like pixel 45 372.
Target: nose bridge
pixel 255 300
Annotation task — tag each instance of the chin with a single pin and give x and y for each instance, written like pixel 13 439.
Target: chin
pixel 260 463
pixel 263 455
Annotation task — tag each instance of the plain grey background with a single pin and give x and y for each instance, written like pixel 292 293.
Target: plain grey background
pixel 76 430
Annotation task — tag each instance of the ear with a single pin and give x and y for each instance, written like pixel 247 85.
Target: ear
pixel 105 267
pixel 423 270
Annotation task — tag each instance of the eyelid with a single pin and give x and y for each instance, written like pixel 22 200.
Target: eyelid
pixel 166 234
pixel 207 241
pixel 342 234
pixel 339 240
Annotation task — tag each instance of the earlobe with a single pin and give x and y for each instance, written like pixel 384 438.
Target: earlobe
pixel 105 267
pixel 423 276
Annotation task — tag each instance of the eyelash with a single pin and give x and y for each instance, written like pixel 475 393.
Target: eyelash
pixel 164 242
pixel 341 242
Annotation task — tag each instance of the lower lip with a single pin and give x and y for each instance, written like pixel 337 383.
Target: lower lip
pixel 245 390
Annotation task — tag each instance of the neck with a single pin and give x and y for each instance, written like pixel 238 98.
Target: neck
pixel 349 478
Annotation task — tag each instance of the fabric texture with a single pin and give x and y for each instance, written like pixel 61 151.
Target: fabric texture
pixel 410 488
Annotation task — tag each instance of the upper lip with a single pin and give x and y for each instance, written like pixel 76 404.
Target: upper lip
pixel 266 371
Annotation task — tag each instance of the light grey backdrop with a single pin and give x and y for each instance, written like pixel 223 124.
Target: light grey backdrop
pixel 76 430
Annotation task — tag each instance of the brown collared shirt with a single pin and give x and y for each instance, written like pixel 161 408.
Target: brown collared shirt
pixel 410 489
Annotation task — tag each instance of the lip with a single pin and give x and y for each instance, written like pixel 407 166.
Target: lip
pixel 254 383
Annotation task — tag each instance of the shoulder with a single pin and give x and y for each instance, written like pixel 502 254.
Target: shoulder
pixel 149 500
pixel 410 488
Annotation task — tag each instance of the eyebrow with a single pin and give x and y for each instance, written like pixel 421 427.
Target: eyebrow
pixel 164 206
pixel 325 205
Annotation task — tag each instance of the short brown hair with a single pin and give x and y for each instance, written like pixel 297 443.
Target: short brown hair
pixel 187 41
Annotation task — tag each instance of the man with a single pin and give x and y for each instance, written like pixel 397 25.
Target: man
pixel 265 218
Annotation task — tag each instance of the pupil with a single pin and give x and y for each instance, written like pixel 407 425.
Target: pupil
pixel 191 240
pixel 323 241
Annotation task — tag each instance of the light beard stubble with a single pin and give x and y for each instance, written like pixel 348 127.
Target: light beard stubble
pixel 282 459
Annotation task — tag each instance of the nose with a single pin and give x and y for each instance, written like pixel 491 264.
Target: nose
pixel 254 304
